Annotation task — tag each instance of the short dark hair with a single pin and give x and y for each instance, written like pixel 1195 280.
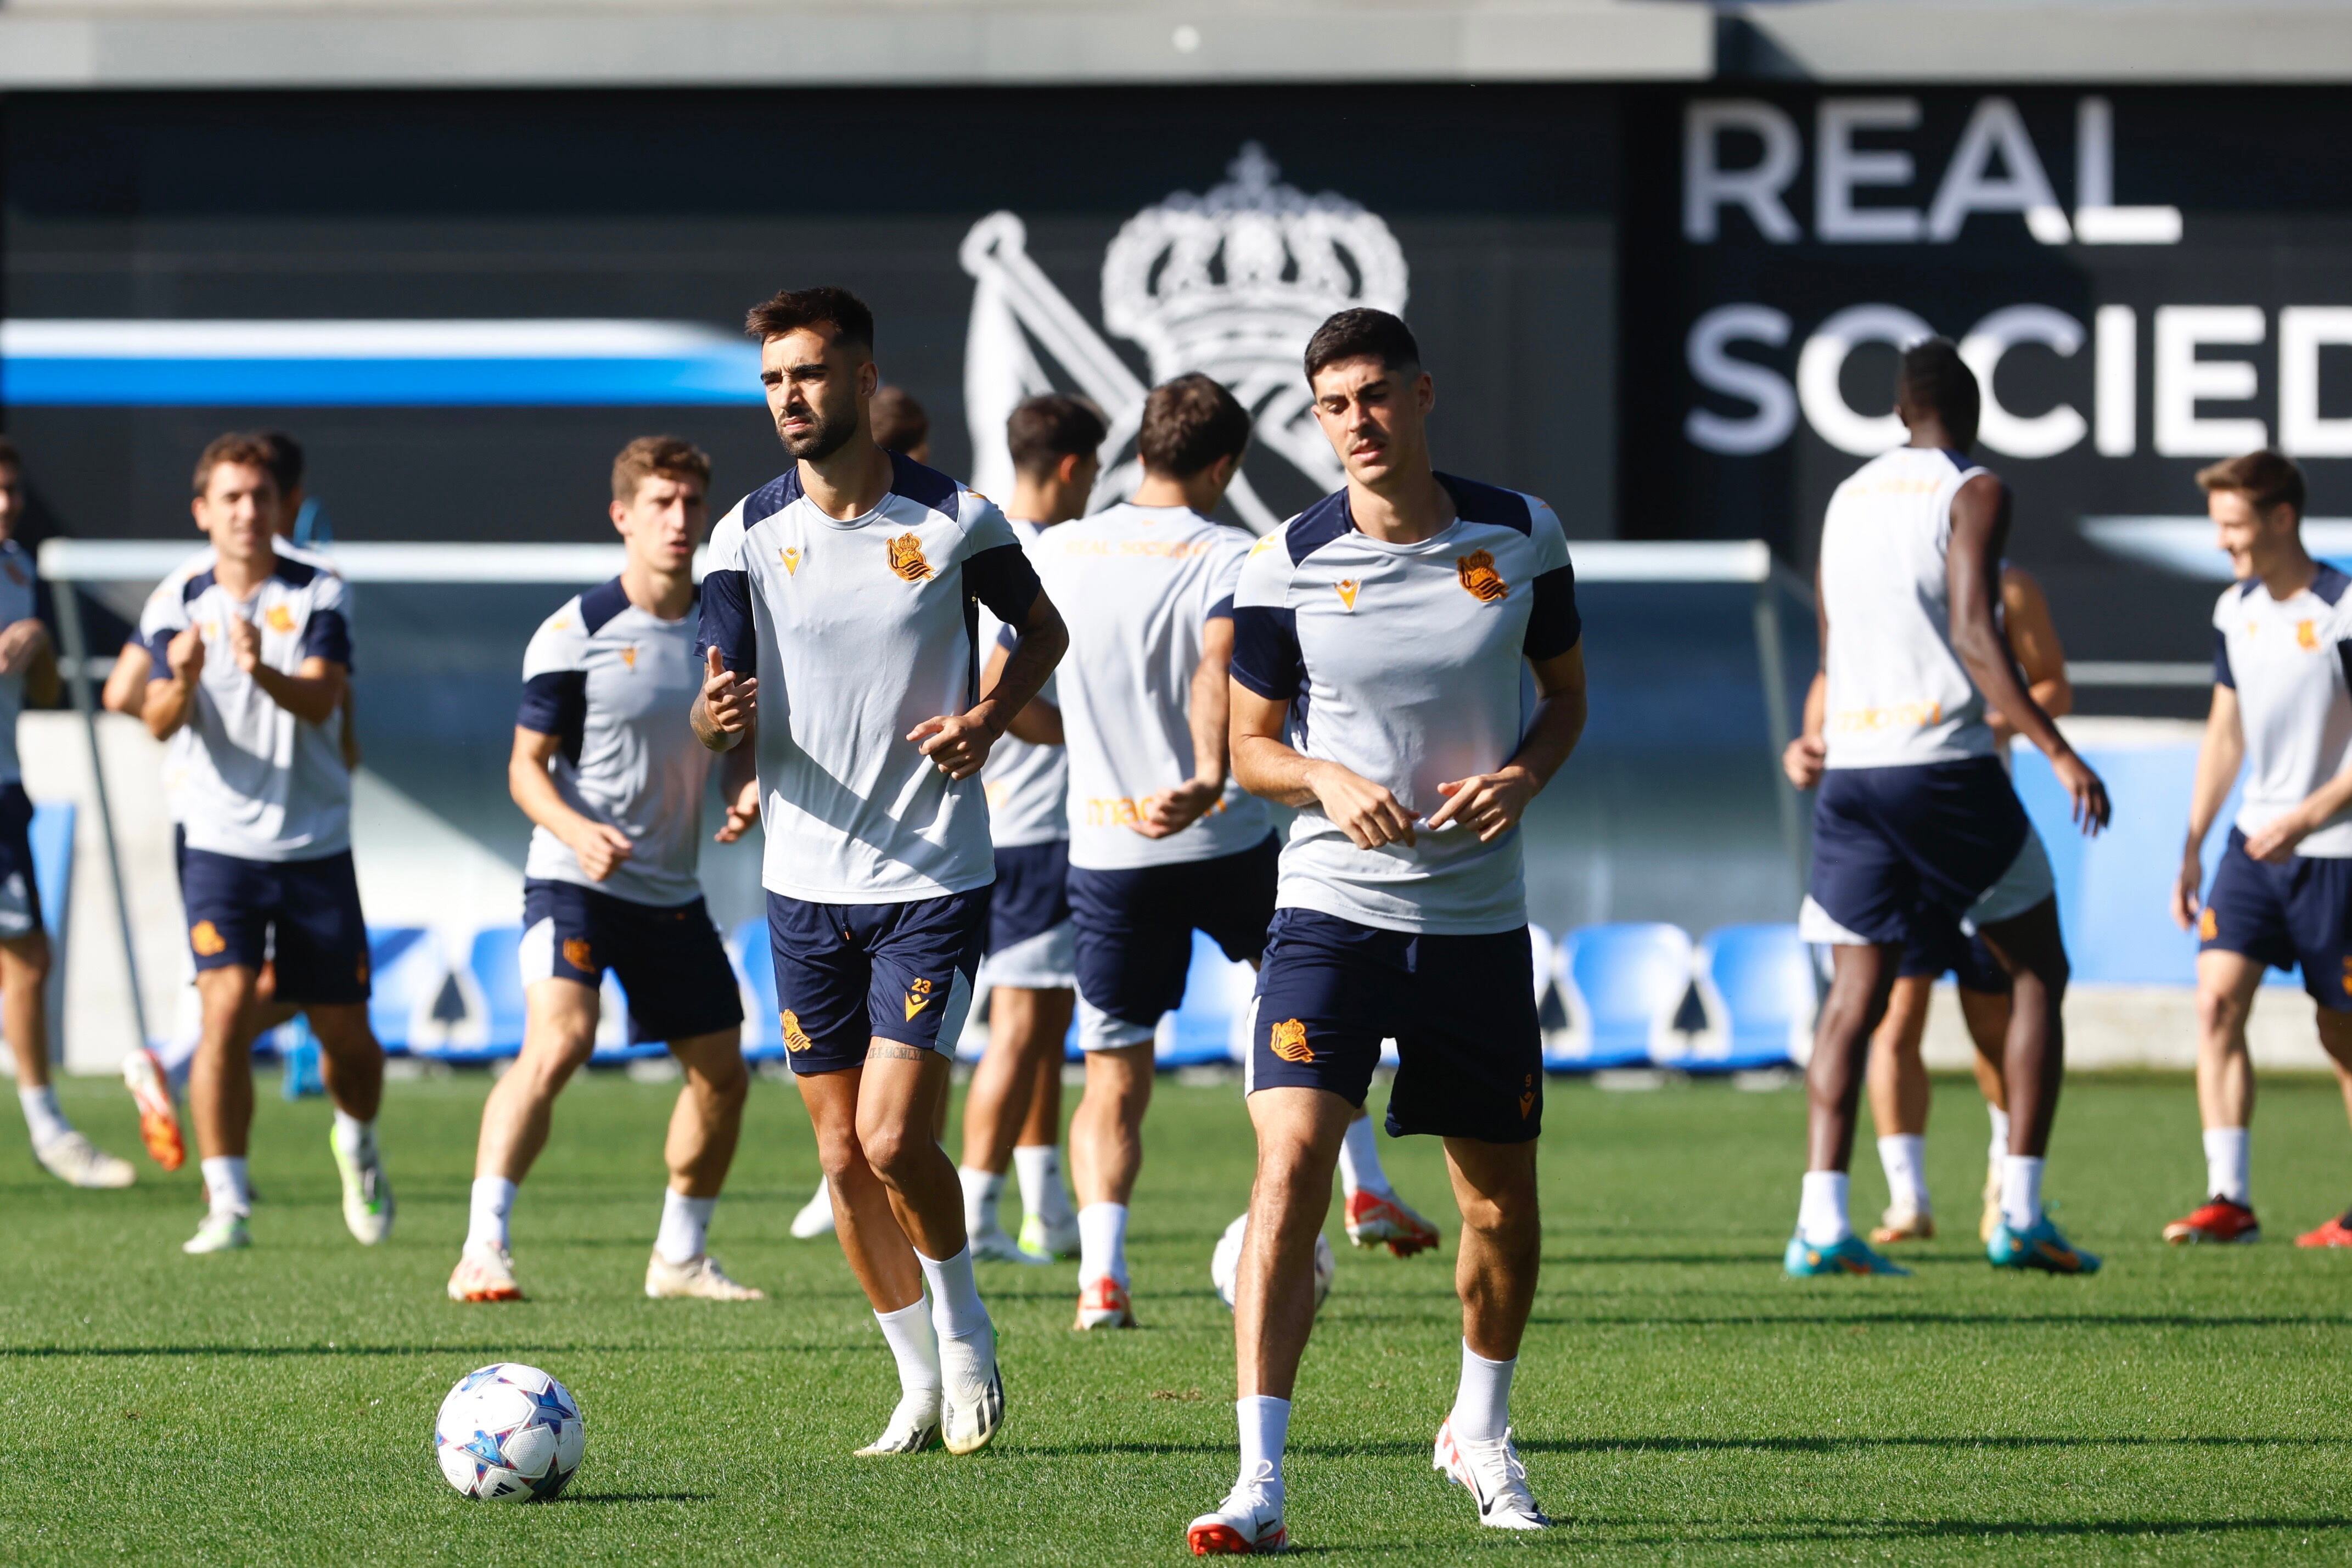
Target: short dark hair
pixel 286 462
pixel 790 309
pixel 1049 427
pixel 1940 382
pixel 1362 333
pixel 897 419
pixel 1190 423
pixel 2267 478
pixel 647 455
pixel 237 446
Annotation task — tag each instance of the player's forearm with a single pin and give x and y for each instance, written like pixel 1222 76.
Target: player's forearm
pixel 167 706
pixel 706 730
pixel 1551 738
pixel 1211 716
pixel 1032 659
pixel 1039 722
pixel 41 682
pixel 1986 657
pixel 2325 801
pixel 310 698
pixel 1273 772
pixel 2056 696
pixel 1817 707
pixel 737 769
pixel 2217 769
pixel 533 790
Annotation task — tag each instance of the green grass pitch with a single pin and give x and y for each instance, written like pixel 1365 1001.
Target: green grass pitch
pixel 1679 1400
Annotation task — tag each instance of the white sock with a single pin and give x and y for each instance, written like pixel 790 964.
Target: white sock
pixel 1482 1405
pixel 1360 1161
pixel 2021 1192
pixel 226 1185
pixel 685 1222
pixel 353 1136
pixel 1265 1431
pixel 1999 1148
pixel 1821 1212
pixel 1905 1155
pixel 981 1189
pixel 2228 1151
pixel 493 1201
pixel 1102 1242
pixel 1039 1166
pixel 914 1347
pixel 956 1311
pixel 43 1120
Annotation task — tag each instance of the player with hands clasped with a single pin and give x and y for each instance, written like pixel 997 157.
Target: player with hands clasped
pixel 837 619
pixel 1378 643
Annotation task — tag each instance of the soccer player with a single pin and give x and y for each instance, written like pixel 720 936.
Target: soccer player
pixel 1917 814
pixel 1013 1109
pixel 900 425
pixel 2283 893
pixel 251 657
pixel 842 591
pixel 1379 641
pixel 1899 1091
pixel 28 673
pixel 607 768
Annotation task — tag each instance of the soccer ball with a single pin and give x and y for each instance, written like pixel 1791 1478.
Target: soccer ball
pixel 1228 1257
pixel 510 1432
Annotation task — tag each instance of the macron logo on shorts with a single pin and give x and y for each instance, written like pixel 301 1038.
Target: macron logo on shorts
pixel 919 997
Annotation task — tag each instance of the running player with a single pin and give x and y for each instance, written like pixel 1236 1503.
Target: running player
pixel 251 657
pixel 28 674
pixel 1379 638
pixel 607 768
pixel 1915 812
pixel 1013 1111
pixel 2282 895
pixel 846 586
pixel 1899 1091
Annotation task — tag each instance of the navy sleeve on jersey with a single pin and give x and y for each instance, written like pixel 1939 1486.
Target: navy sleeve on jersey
pixel 1004 580
pixel 726 623
pixel 1266 651
pixel 1553 624
pixel 2222 674
pixel 1223 609
pixel 328 636
pixel 159 653
pixel 556 704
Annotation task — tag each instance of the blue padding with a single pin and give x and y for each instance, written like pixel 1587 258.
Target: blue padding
pixel 53 844
pixel 402 979
pixel 492 960
pixel 1628 977
pixel 756 961
pixel 1203 1022
pixel 1764 979
pixel 726 373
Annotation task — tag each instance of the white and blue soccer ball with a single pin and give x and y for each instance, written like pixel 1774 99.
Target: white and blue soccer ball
pixel 510 1433
pixel 1228 1257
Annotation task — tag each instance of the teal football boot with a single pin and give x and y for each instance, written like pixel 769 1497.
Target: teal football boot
pixel 1850 1256
pixel 2040 1248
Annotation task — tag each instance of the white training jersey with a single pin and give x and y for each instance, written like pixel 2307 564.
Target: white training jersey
pixel 17 597
pixel 1898 696
pixel 1401 664
pixel 858 632
pixel 1138 587
pixel 615 685
pixel 250 779
pixel 2287 659
pixel 1027 784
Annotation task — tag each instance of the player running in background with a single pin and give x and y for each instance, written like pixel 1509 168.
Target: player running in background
pixel 1916 821
pixel 609 771
pixel 844 588
pixel 251 657
pixel 28 675
pixel 2283 893
pixel 1900 1090
pixel 1013 1111
pixel 1379 642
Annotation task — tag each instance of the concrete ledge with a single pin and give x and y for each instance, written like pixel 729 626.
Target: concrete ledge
pixel 2126 1027
pixel 2116 41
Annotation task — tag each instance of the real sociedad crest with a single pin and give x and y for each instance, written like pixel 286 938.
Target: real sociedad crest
pixel 1232 283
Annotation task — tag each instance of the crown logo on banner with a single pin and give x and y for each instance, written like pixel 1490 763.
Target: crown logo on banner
pixel 1235 282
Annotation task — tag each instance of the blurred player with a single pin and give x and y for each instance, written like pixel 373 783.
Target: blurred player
pixel 844 586
pixel 1379 644
pixel 1916 822
pixel 1900 1090
pixel 2283 893
pixel 607 767
pixel 1013 1111
pixel 28 674
pixel 251 657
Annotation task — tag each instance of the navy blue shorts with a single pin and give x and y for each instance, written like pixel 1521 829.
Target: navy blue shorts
pixel 1135 929
pixel 1030 895
pixel 1461 1008
pixel 302 916
pixel 20 892
pixel 1937 946
pixel 847 974
pixel 1936 840
pixel 671 962
pixel 2282 915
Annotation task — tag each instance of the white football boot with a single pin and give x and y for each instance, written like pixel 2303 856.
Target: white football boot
pixel 972 1405
pixel 220 1232
pixel 367 1192
pixel 914 1426
pixel 1044 1242
pixel 700 1277
pixel 1495 1477
pixel 485 1272
pixel 1249 1521
pixel 77 1162
pixel 816 1217
pixel 993 1246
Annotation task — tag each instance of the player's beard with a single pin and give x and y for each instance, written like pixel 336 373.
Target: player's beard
pixel 828 432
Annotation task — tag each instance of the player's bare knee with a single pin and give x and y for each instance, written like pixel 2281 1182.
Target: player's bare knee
pixel 30 955
pixel 892 1146
pixel 2222 1018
